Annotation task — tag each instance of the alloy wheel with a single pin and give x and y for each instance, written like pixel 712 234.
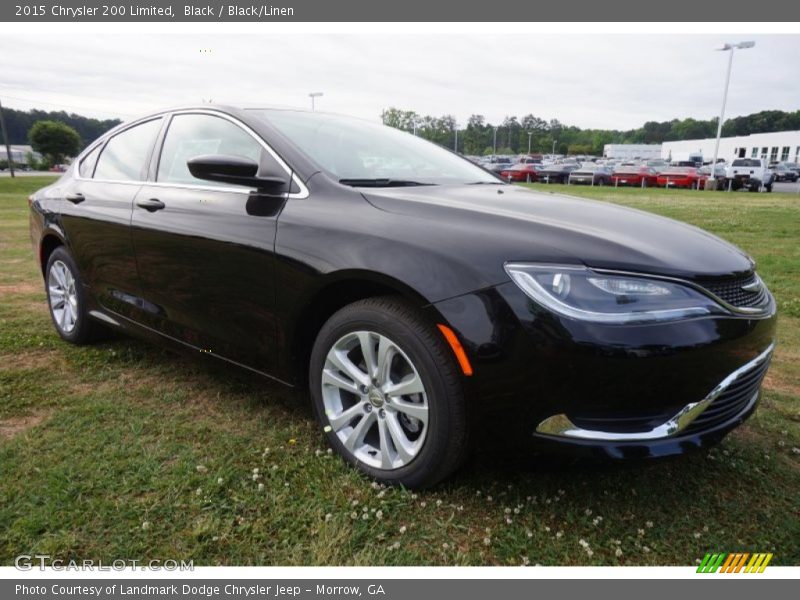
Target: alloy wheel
pixel 63 296
pixel 375 400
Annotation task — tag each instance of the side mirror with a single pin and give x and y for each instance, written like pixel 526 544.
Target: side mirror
pixel 237 170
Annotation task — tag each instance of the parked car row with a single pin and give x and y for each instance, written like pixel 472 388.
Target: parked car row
pixel 743 173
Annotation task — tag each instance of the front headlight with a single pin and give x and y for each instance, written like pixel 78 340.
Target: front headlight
pixel 580 293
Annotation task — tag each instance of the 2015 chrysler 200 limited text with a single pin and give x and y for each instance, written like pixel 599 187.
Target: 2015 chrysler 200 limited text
pixel 420 298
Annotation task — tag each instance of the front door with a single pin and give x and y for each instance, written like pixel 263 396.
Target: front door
pixel 205 251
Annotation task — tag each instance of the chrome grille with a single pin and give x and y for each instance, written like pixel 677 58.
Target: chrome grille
pixel 732 401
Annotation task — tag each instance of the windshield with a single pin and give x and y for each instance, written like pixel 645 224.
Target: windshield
pixel 358 152
pixel 747 162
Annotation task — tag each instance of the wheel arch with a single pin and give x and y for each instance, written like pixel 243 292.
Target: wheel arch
pixel 335 292
pixel 49 242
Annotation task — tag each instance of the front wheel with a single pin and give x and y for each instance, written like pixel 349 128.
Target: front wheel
pixel 387 392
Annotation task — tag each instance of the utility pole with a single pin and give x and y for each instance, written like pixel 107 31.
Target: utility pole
pixel 5 141
pixel 530 133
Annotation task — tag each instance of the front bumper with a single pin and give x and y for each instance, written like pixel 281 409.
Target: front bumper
pixel 620 391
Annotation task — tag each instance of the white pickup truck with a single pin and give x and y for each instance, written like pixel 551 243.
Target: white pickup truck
pixel 752 173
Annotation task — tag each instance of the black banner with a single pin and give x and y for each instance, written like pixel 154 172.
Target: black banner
pixel 406 11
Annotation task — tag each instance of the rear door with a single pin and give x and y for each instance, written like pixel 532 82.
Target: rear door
pixel 97 213
pixel 205 250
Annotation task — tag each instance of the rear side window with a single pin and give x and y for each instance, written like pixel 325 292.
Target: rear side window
pixel 124 155
pixel 194 135
pixel 86 168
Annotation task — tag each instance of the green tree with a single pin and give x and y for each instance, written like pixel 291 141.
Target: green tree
pixel 55 140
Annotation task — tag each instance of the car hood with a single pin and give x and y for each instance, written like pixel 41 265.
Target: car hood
pixel 489 225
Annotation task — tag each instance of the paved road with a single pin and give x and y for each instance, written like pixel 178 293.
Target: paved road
pixel 7 173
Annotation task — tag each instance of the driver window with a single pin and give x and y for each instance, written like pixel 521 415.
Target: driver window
pixel 193 135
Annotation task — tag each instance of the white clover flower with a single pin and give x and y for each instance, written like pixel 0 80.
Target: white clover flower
pixel 640 531
pixel 588 512
pixel 649 524
pixel 220 480
pixel 260 487
pixel 559 534
pixel 379 515
pixel 354 503
pixel 364 516
pixel 487 541
pixel 445 545
pixel 146 525
pixel 201 468
pixel 423 504
pixel 529 533
pixel 255 471
pixel 507 511
pixel 354 515
pixel 328 517
pixel 618 552
pixel 645 549
pixel 438 503
pixel 403 529
pixel 198 491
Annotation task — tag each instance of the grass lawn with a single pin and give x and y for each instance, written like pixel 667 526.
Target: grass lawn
pixel 123 450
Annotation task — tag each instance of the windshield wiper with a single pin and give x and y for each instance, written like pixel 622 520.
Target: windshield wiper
pixel 487 183
pixel 385 182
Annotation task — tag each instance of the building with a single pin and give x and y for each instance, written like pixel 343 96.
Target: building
pixel 19 154
pixel 781 146
pixel 632 151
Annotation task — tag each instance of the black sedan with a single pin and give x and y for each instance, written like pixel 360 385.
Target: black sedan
pixel 423 303
pixel 557 173
pixel 785 173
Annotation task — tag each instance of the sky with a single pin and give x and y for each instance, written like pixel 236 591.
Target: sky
pixel 615 81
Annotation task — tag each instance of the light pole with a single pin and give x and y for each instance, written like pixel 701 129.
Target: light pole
pixel 455 129
pixel 554 148
pixel 530 133
pixel 313 95
pixel 494 146
pixel 726 48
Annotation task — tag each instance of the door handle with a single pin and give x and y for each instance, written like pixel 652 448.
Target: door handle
pixel 76 198
pixel 151 205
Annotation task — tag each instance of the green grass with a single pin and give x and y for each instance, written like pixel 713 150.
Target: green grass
pixel 122 450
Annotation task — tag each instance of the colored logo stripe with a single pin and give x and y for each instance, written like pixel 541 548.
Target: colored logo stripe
pixel 735 562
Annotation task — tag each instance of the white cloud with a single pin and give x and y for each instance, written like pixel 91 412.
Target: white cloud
pixel 610 81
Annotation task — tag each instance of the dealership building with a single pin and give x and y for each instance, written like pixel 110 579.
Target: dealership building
pixel 781 146
pixel 19 154
pixel 632 151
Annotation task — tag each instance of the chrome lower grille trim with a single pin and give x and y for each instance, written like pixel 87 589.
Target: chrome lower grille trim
pixel 560 425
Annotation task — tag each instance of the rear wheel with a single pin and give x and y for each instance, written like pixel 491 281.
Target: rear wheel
pixel 66 298
pixel 388 394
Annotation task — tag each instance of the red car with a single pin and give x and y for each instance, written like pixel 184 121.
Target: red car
pixel 639 176
pixel 682 177
pixel 521 172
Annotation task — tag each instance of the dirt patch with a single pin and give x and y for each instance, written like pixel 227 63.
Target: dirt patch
pixel 31 360
pixel 777 383
pixel 13 426
pixel 20 288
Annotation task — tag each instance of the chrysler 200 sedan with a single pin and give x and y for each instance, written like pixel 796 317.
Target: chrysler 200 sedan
pixel 422 301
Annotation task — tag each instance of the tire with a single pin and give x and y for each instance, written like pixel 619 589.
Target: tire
pixel 423 450
pixel 768 188
pixel 67 300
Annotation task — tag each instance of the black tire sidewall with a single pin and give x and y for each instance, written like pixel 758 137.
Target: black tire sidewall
pixel 442 398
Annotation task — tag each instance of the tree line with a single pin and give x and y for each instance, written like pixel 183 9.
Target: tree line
pixel 513 134
pixel 20 122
